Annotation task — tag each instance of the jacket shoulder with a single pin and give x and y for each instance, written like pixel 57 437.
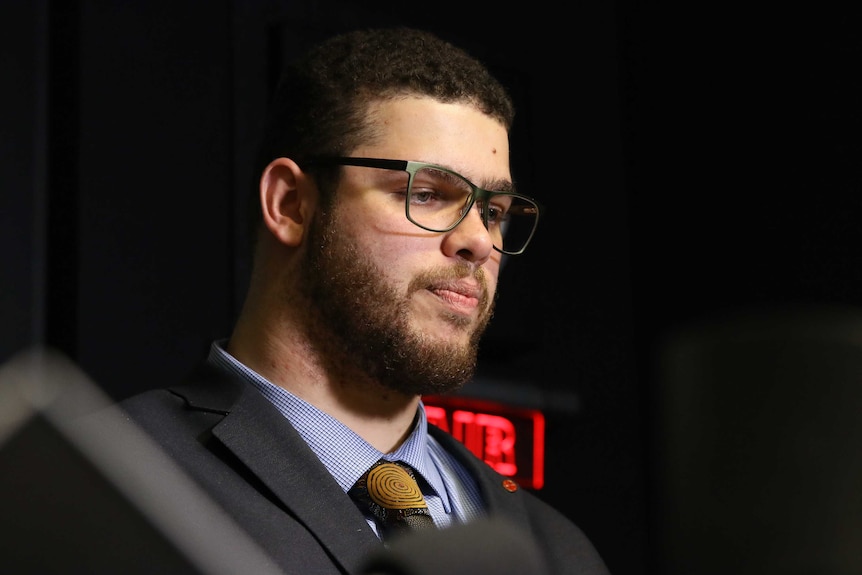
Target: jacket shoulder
pixel 563 545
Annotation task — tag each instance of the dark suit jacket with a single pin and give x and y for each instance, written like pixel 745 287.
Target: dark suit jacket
pixel 247 457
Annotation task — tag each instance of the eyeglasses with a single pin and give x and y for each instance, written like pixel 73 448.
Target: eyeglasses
pixel 438 199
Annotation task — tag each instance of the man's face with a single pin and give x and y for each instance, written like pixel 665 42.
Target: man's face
pixel 408 306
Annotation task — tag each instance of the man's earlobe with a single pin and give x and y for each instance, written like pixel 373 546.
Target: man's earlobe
pixel 283 200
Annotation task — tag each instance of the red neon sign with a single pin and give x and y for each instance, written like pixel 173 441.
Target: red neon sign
pixel 511 440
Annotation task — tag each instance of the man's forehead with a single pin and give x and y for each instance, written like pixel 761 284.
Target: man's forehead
pixel 455 135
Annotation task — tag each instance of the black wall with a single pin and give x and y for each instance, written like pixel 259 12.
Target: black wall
pixel 743 170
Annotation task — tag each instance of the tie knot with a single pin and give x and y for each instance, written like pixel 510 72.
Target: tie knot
pixel 393 486
pixel 388 490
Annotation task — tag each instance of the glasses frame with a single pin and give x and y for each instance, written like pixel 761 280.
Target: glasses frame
pixel 411 167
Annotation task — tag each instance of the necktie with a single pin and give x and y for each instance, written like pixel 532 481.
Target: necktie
pixel 390 492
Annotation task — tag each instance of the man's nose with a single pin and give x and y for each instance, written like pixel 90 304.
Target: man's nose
pixel 470 239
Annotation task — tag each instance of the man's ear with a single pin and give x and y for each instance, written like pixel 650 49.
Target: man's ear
pixel 285 200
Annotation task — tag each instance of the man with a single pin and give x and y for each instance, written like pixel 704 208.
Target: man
pixel 385 205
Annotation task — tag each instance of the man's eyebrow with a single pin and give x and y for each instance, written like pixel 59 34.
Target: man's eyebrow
pixel 499 186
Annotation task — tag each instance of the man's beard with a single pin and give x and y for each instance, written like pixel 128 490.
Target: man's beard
pixel 359 322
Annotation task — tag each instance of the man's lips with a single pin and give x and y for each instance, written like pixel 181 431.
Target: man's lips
pixel 460 293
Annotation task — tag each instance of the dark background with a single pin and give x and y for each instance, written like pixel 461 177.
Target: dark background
pixel 695 162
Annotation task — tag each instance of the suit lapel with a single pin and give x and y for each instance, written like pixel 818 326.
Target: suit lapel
pixel 502 495
pixel 256 433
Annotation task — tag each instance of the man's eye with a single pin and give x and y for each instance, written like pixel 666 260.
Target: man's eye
pixel 423 196
pixel 497 213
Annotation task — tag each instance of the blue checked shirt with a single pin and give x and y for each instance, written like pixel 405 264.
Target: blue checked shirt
pixel 451 493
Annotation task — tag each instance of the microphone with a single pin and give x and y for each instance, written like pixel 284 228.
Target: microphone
pixel 476 548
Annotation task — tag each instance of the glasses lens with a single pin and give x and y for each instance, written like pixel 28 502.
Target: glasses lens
pixel 511 221
pixel 437 198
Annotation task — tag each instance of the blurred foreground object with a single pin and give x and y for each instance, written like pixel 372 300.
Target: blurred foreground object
pixel 74 500
pixel 758 444
pixel 478 548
